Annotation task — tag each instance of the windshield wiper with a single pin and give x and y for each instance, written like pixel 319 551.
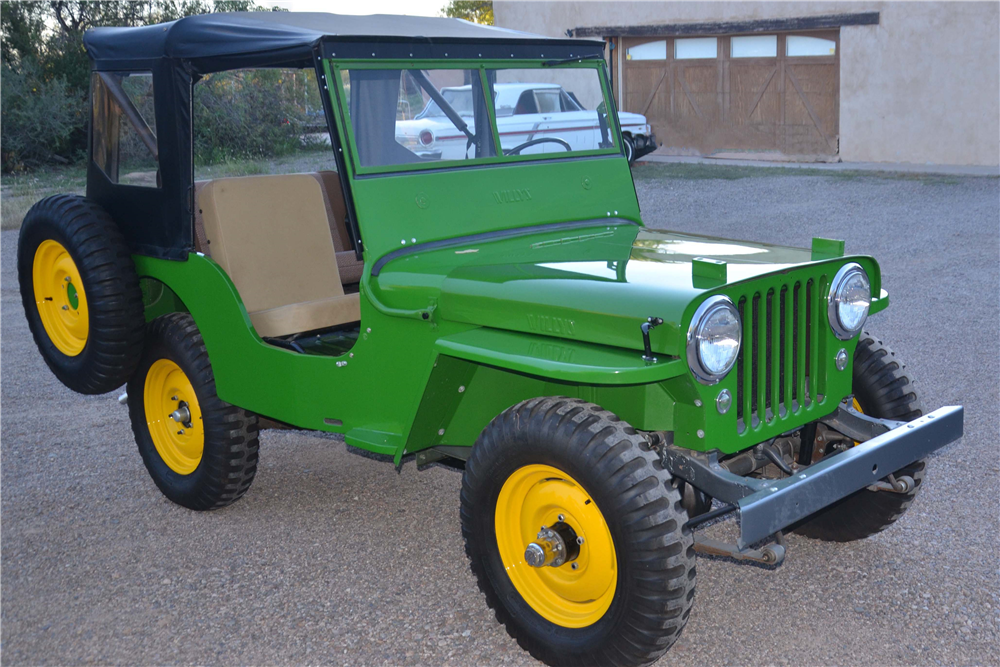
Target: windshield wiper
pixel 448 110
pixel 577 59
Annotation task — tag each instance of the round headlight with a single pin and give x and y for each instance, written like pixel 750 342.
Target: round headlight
pixel 713 340
pixel 850 298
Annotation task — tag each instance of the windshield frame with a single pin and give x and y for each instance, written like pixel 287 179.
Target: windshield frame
pixel 334 68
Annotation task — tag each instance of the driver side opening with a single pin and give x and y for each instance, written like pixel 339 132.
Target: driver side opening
pixel 269 207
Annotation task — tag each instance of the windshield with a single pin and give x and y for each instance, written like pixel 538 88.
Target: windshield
pixel 428 117
pixel 460 100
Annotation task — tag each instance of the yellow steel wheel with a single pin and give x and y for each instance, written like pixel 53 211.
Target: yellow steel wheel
pixel 535 496
pixel 60 298
pixel 173 417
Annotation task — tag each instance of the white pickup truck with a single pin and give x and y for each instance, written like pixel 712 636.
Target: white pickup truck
pixel 525 111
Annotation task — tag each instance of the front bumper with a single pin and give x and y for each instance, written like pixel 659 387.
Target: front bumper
pixel 767 506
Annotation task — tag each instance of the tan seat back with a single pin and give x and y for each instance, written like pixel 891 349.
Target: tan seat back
pixel 350 266
pixel 272 237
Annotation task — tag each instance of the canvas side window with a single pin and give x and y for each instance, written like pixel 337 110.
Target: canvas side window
pixel 124 128
pixel 253 122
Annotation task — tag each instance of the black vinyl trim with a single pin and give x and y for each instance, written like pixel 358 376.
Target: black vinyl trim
pixel 730 27
pixel 443 49
pixel 490 236
pixel 353 228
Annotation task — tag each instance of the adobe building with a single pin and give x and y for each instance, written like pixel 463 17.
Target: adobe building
pixel 912 82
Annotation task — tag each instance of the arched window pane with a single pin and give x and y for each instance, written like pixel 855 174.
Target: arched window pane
pixel 648 51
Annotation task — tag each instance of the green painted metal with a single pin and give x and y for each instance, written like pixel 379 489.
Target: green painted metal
pixel 827 248
pixel 453 334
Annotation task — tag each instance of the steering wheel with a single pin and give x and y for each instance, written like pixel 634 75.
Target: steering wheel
pixel 516 150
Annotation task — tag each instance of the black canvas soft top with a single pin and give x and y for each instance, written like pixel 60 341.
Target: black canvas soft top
pixel 214 42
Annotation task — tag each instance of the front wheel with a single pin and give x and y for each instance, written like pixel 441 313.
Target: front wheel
pixel 629 148
pixel 576 536
pixel 883 389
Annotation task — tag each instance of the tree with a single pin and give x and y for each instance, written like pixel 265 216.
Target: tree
pixel 477 11
pixel 41 49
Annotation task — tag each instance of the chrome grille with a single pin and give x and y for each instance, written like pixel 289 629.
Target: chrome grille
pixel 776 370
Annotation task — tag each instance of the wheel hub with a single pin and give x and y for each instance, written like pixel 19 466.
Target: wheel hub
pixel 556 545
pixel 173 417
pixel 567 569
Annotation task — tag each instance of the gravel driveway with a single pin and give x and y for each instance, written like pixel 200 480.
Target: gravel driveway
pixel 334 558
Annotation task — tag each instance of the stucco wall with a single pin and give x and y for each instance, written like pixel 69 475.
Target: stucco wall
pixel 923 86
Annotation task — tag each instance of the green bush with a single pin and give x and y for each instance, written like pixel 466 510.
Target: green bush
pixel 39 116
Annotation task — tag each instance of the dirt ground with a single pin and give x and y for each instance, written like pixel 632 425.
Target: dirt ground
pixel 333 558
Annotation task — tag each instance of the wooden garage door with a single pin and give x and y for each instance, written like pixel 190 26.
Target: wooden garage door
pixel 737 92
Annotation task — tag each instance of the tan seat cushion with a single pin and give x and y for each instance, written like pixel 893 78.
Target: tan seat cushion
pixel 272 237
pixel 298 317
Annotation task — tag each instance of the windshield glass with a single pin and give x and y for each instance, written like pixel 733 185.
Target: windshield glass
pixel 412 116
pixel 425 117
pixel 550 111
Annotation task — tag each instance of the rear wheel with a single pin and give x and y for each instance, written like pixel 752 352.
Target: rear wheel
pixel 200 451
pixel 80 293
pixel 882 388
pixel 576 536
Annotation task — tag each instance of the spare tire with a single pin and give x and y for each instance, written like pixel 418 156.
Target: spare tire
pixel 80 293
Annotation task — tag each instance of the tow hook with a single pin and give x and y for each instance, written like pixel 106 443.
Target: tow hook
pixel 893 484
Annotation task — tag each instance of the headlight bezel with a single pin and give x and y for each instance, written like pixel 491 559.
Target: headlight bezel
pixel 701 315
pixel 834 300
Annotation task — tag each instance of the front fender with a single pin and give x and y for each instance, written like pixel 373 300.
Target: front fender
pixel 558 359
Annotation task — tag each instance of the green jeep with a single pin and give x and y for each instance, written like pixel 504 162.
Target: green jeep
pixel 472 285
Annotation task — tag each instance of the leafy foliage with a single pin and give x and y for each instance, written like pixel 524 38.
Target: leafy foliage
pixel 39 117
pixel 41 48
pixel 477 11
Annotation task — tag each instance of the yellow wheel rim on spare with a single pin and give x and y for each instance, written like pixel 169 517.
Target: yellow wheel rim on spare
pixel 60 298
pixel 173 417
pixel 535 496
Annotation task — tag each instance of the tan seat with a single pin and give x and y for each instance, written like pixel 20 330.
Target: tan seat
pixel 271 234
pixel 348 264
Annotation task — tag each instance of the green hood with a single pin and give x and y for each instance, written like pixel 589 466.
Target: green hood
pixel 590 283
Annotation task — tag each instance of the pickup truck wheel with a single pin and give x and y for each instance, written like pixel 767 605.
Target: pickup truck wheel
pixel 576 536
pixel 80 293
pixel 629 148
pixel 200 451
pixel 882 389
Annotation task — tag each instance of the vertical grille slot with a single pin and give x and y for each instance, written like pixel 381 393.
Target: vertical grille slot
pixel 741 306
pixel 755 359
pixel 768 354
pixel 810 364
pixel 776 369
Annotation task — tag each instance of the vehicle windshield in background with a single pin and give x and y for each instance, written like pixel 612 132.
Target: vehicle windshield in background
pixel 460 100
pixel 384 105
pixel 550 111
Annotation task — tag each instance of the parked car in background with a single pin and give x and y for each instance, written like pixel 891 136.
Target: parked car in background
pixel 525 111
